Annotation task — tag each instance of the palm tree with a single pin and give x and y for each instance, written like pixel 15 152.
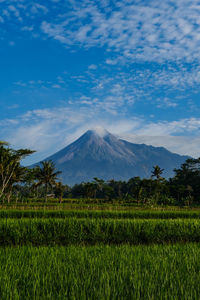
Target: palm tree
pixel 89 189
pixel 157 171
pixel 97 185
pixel 59 190
pixel 29 181
pixel 46 174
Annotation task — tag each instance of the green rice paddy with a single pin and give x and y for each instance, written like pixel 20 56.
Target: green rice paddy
pixel 105 214
pixel 75 231
pixel 101 272
pixel 91 254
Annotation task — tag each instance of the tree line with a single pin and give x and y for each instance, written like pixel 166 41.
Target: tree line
pixel 42 181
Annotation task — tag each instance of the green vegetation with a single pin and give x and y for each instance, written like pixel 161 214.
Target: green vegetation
pixel 17 184
pixel 101 272
pixel 11 171
pixel 103 240
pixel 89 254
pixel 97 231
pixel 103 214
pixel 40 183
pixel 46 175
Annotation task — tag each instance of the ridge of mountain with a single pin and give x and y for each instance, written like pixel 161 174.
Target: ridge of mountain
pixel 98 153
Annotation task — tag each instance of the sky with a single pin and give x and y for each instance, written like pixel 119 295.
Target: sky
pixel 130 66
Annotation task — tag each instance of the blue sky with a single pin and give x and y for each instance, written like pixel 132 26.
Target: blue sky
pixel 132 67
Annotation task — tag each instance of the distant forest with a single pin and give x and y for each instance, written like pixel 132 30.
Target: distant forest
pixel 41 182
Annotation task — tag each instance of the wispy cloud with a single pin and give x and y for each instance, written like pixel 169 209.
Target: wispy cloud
pixel 136 30
pixel 130 31
pixel 189 126
pixel 116 89
pixel 151 31
pixel 149 58
pixel 184 145
pixel 47 131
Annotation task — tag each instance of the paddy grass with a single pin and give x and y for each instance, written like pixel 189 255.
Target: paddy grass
pixel 98 253
pixel 76 231
pixel 100 272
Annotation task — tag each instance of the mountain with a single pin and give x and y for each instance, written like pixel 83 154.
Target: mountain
pixel 97 153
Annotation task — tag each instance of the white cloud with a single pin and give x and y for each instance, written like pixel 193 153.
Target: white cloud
pixel 27 28
pixel 111 61
pixel 155 31
pixel 56 86
pixel 139 30
pixel 189 126
pixel 36 8
pixel 21 11
pixel 92 67
pixel 49 130
pixel 184 145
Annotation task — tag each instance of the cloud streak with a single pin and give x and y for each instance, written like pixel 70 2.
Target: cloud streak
pixel 183 145
pixel 138 30
pixel 148 65
pixel 47 131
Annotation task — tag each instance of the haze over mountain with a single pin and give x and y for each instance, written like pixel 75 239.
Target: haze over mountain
pixel 98 153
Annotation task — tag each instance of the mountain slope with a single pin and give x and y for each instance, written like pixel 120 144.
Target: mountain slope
pixel 102 155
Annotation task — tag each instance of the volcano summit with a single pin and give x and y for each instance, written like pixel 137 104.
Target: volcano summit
pixel 98 153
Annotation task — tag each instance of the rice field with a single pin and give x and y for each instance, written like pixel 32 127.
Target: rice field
pixel 101 272
pixel 75 231
pixel 104 214
pixel 99 254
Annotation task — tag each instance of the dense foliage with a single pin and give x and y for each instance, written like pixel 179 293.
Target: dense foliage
pixel 183 189
pixel 11 171
pixel 17 183
pixel 112 268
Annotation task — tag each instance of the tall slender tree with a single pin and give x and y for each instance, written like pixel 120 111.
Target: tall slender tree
pixel 97 185
pixel 59 190
pixel 157 171
pixel 46 175
pixel 10 165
